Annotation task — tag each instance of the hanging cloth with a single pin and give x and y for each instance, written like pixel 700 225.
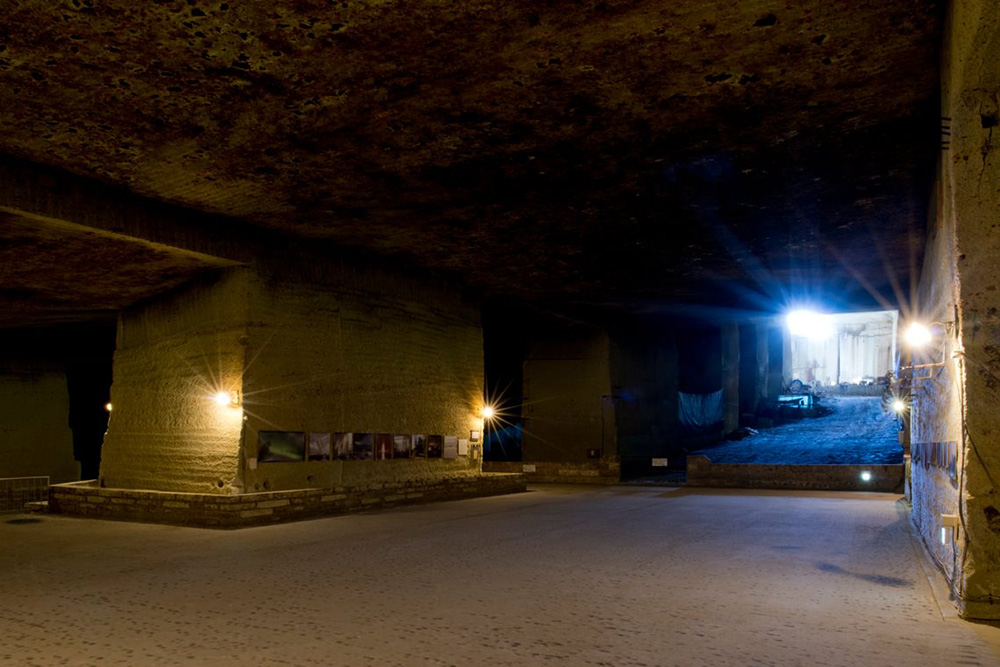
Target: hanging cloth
pixel 698 412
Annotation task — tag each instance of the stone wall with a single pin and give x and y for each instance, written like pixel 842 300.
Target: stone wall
pixel 35 438
pixel 255 509
pixel 568 405
pixel 360 351
pixel 644 392
pixel 971 206
pixel 606 471
pixel 173 354
pixel 883 478
pixel 955 443
pixel 935 401
pixel 336 349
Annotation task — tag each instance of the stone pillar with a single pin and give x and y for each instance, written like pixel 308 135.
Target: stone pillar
pixel 762 362
pixel 776 361
pixel 731 375
pixel 971 187
pixel 348 351
pixel 35 439
pixel 173 354
pixel 569 407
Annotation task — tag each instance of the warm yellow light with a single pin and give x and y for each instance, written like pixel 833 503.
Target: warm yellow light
pixel 917 335
pixel 224 398
pixel 898 405
pixel 107 406
pixel 488 412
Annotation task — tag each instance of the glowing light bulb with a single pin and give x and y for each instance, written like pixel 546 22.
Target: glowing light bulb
pixel 809 324
pixel 107 406
pixel 917 335
pixel 488 412
pixel 866 476
pixel 898 405
pixel 227 398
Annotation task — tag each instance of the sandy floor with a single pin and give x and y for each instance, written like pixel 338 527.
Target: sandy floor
pixel 575 576
pixel 858 431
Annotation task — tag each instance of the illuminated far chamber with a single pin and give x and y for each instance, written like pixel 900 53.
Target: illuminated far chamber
pixel 917 335
pixel 809 324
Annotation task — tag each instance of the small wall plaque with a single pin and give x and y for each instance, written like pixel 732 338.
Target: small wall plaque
pixel 450 450
pixel 659 463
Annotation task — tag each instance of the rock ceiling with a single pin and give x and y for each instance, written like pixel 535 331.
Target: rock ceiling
pixel 629 153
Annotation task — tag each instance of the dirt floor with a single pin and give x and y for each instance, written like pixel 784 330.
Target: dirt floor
pixel 858 432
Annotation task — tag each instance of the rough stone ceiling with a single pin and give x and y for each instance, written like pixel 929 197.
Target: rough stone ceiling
pixel 53 272
pixel 633 153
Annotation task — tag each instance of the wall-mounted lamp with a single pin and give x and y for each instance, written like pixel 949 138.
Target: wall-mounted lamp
pixel 488 412
pixel 866 476
pixel 898 406
pixel 107 406
pixel 227 399
pixel 917 335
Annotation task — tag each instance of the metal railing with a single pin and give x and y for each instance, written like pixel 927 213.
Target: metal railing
pixel 16 492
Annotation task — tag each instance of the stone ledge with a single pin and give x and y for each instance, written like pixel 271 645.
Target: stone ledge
pixel 86 499
pixel 555 472
pixel 884 478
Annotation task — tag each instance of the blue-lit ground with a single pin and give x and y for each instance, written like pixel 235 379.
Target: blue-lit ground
pixel 857 432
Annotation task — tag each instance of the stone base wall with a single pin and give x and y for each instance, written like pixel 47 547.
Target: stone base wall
pixel 595 472
pixel 884 478
pixel 86 499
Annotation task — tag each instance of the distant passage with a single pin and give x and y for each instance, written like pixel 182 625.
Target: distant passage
pixel 857 432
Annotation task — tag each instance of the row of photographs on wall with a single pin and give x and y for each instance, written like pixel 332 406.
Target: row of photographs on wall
pixel 941 455
pixel 297 446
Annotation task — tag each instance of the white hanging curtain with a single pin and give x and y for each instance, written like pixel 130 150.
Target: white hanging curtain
pixel 699 412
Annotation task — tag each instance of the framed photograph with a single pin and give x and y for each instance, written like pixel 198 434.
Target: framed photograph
pixel 383 446
pixel 435 446
pixel 450 450
pixel 343 446
pixel 281 446
pixel 319 446
pixel 364 447
pixel 420 446
pixel 402 446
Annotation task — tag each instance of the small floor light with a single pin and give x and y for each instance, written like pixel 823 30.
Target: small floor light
pixel 949 525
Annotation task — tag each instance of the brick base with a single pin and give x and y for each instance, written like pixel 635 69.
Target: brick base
pixel 884 478
pixel 541 472
pixel 254 509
